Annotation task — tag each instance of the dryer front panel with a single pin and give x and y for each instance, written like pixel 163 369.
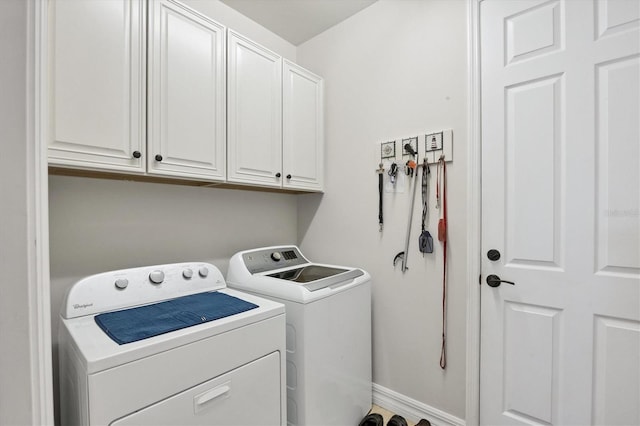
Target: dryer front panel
pixel 249 395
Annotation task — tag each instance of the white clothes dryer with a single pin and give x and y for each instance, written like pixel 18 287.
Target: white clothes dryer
pixel 170 345
pixel 328 312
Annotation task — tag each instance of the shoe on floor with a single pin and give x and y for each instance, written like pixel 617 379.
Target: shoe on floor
pixel 423 422
pixel 373 419
pixel 397 420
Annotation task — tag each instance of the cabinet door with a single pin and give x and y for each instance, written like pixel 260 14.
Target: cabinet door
pixel 303 140
pixel 97 84
pixel 254 140
pixel 186 116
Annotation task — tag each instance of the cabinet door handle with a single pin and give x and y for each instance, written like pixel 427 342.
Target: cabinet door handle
pixel 158 157
pixel 137 154
pixel 278 174
pixel 288 176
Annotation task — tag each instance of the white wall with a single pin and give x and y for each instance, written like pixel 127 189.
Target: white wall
pixel 99 225
pixel 15 392
pixel 20 390
pixel 234 20
pixel 392 70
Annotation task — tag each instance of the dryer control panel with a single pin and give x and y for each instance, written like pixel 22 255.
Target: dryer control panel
pixel 113 290
pixel 272 258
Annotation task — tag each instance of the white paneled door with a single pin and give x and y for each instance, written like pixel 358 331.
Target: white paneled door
pixel 561 206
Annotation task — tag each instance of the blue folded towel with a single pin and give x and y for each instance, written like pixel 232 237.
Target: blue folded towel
pixel 131 325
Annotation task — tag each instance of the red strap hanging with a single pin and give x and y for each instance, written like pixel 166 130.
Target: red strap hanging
pixel 442 236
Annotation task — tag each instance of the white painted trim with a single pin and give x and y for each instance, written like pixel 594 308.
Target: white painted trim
pixel 38 216
pixel 474 218
pixel 411 409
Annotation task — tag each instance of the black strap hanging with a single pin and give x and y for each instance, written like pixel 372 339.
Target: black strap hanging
pixel 380 172
pixel 425 241
pixel 442 236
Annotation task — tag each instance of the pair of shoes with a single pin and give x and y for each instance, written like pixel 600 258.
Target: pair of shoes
pixel 375 419
pixel 423 422
pixel 397 420
pixel 372 419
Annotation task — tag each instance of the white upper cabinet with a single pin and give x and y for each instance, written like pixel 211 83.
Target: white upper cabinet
pixel 254 141
pixel 303 136
pixel 97 84
pixel 172 93
pixel 186 111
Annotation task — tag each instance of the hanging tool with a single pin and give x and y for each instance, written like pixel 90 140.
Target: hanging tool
pixel 425 241
pixel 393 173
pixel 405 254
pixel 410 168
pixel 438 186
pixel 410 165
pixel 442 236
pixel 380 172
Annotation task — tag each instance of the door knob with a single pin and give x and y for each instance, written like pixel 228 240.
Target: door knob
pixel 158 157
pixel 494 281
pixel 137 154
pixel 493 255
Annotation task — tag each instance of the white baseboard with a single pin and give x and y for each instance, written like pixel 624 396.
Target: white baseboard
pixel 411 409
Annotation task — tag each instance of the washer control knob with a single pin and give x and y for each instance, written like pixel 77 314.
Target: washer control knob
pixel 276 256
pixel 187 273
pixel 122 283
pixel 203 272
pixel 156 277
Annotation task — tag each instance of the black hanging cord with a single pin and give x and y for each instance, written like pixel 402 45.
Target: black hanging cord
pixel 442 236
pixel 380 193
pixel 425 240
pixel 380 187
pixel 425 192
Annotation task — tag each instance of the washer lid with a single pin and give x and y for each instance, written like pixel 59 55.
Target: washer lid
pixel 316 277
pixel 276 272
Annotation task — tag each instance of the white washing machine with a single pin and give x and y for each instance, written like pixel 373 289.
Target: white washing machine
pixel 170 345
pixel 328 311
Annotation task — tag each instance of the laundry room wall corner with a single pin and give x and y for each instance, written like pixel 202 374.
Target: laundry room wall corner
pixel 308 205
pixel 231 18
pixel 97 225
pixel 394 70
